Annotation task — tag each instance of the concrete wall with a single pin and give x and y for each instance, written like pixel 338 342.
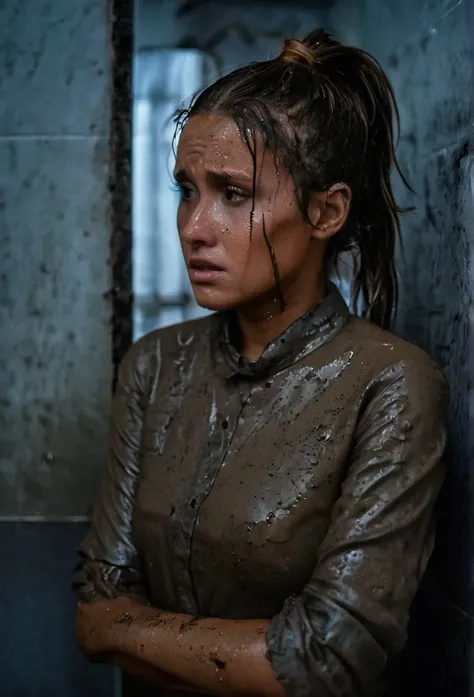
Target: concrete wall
pixel 55 349
pixel 426 49
pixel 235 33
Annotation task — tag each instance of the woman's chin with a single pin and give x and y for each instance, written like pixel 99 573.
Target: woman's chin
pixel 213 300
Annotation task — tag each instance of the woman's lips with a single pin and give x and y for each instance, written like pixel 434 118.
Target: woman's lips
pixel 203 271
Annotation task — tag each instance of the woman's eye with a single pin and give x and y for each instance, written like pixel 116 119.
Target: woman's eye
pixel 234 195
pixel 185 193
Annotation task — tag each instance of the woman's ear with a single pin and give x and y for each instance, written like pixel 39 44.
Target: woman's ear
pixel 329 210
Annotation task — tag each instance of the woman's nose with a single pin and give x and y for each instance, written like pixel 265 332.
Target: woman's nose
pixel 199 226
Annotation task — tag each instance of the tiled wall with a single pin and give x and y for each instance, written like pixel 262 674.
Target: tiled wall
pixel 37 610
pixel 55 349
pixel 55 355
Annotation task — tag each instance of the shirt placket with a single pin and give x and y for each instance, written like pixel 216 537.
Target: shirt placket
pixel 223 423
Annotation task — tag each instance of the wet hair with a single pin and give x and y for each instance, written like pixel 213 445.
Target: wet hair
pixel 327 112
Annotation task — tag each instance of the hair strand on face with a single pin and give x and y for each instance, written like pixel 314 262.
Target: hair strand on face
pixel 276 273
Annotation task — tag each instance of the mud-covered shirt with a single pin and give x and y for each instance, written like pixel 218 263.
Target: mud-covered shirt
pixel 297 487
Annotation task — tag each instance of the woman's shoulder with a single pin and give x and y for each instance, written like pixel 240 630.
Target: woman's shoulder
pixel 386 356
pixel 190 331
pixel 156 352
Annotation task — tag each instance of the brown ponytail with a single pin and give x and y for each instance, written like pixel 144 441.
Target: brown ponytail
pixel 341 110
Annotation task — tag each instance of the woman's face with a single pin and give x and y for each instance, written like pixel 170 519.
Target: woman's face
pixel 235 257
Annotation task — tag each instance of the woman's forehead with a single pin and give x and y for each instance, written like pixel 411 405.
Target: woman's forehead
pixel 211 132
pixel 215 141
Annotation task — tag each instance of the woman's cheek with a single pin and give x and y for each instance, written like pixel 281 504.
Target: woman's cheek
pixel 181 219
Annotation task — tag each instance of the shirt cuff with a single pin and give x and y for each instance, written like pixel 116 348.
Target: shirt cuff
pixel 319 649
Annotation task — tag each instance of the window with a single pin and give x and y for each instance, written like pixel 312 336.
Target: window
pixel 164 80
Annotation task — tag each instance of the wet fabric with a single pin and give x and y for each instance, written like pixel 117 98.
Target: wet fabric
pixel 298 487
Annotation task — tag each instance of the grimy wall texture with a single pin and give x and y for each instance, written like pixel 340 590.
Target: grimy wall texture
pixel 55 348
pixel 426 49
pixel 56 372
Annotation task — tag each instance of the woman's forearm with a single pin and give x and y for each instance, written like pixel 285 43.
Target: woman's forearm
pixel 140 669
pixel 211 655
pixel 92 632
pixel 217 656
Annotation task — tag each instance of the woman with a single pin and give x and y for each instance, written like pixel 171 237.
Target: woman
pixel 267 512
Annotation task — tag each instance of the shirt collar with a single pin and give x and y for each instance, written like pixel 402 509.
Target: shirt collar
pixel 310 331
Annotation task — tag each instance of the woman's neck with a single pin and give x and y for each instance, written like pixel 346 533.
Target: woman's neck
pixel 259 327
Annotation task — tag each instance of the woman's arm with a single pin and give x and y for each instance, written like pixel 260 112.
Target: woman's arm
pixel 146 672
pixel 109 565
pixel 212 655
pixel 338 637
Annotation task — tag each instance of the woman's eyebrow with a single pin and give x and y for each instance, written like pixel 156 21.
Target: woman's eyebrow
pixel 220 175
pixel 181 175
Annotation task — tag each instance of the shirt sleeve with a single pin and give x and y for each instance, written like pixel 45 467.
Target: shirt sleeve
pixel 336 638
pixel 108 562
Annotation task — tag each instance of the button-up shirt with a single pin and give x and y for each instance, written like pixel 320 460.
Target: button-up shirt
pixel 297 487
